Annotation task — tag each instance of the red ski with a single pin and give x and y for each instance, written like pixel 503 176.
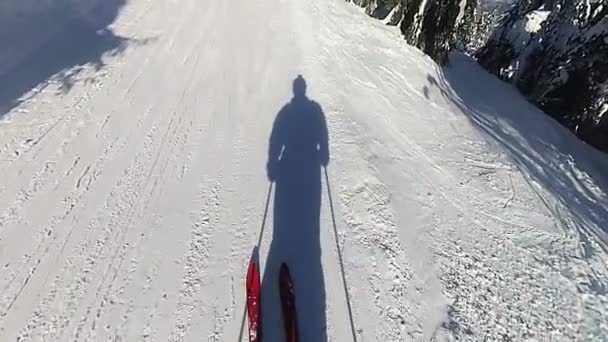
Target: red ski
pixel 288 304
pixel 253 302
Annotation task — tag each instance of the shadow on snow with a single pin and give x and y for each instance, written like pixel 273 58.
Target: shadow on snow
pixel 548 152
pixel 298 149
pixel 80 36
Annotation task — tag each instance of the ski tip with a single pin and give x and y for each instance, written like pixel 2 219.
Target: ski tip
pixel 284 269
pixel 253 274
pixel 255 255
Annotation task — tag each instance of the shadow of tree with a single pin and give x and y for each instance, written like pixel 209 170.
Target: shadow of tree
pixel 571 171
pixel 80 37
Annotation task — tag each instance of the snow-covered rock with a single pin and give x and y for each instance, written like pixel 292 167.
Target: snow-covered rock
pixel 556 53
pixel 433 26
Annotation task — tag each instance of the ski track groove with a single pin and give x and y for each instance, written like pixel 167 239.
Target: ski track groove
pixel 179 139
pixel 69 113
pixel 89 183
pixel 71 204
pixel 196 261
pixel 129 221
pixel 28 195
pixel 203 230
pixel 146 333
pixel 389 275
pixel 45 234
pixel 39 179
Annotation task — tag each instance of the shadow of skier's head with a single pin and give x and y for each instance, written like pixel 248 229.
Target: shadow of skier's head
pixel 299 87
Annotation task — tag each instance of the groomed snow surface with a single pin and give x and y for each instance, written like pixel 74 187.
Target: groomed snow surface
pixel 133 150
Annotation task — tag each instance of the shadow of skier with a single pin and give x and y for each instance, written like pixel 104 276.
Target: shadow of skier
pixel 298 149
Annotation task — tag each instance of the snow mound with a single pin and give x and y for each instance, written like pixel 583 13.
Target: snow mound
pixel 523 29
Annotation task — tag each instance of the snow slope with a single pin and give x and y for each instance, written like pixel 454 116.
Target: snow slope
pixel 132 199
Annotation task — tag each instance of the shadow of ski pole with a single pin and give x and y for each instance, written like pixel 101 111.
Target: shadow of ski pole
pixel 255 256
pixel 340 260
